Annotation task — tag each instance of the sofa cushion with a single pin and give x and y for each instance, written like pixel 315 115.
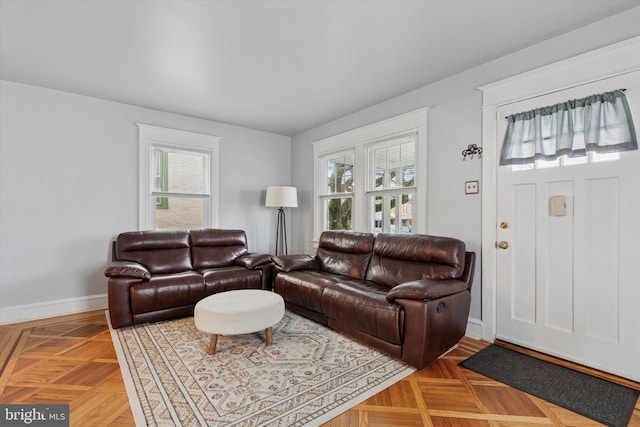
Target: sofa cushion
pixel 230 278
pixel 211 248
pixel 364 306
pixel 160 252
pixel 345 253
pixel 403 258
pixel 304 288
pixel 167 291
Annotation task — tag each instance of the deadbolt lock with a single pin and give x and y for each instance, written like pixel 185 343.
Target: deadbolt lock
pixel 504 224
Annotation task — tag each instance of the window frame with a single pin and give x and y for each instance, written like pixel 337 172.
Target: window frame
pixel 150 137
pixel 358 141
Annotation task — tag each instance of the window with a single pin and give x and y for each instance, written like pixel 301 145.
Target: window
pixel 178 180
pixel 373 179
pixel 392 184
pixel 337 192
pixel 180 189
pixel 591 157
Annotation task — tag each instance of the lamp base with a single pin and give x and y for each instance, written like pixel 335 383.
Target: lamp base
pixel 281 233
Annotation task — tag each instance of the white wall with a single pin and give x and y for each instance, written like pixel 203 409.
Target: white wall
pixel 69 185
pixel 454 123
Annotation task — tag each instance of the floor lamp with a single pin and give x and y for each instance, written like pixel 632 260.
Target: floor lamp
pixel 281 197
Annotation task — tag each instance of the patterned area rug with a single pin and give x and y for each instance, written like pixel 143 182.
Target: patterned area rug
pixel 309 375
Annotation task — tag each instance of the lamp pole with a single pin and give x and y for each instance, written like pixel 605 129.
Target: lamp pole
pixel 281 232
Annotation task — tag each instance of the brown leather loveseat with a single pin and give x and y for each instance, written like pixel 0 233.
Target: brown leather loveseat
pixel 158 275
pixel 408 294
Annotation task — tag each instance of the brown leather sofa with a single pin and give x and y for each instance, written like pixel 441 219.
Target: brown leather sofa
pixel 158 275
pixel 408 295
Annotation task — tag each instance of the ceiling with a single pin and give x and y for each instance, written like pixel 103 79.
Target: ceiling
pixel 278 66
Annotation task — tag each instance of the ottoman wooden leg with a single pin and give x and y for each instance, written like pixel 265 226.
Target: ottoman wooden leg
pixel 212 344
pixel 269 337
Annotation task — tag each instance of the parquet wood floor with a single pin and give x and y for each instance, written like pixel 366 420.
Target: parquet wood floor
pixel 71 360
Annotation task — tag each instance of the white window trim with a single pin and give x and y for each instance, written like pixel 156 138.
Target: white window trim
pixel 150 136
pixel 358 140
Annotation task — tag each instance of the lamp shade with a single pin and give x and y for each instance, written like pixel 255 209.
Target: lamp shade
pixel 281 197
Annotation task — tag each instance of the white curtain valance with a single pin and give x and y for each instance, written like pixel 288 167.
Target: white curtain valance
pixel 600 123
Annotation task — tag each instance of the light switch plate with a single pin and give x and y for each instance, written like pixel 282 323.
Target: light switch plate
pixel 471 187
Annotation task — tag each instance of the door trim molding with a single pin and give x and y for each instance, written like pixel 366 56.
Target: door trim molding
pixel 616 59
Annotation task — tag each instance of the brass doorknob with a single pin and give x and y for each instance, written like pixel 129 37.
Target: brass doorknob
pixel 503 245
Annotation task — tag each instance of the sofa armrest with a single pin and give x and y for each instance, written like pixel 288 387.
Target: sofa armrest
pixel 119 296
pixel 288 263
pixel 252 260
pixel 426 289
pixel 127 269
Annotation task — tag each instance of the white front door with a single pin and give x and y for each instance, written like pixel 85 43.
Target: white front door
pixel 568 281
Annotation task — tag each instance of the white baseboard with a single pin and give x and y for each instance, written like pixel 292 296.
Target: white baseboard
pixel 41 310
pixel 474 328
pixel 23 313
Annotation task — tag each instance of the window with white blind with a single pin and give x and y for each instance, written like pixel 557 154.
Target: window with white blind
pixel 392 184
pixel 178 179
pixel 373 179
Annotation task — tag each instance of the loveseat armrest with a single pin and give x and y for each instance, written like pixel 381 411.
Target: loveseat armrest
pixel 119 296
pixel 289 263
pixel 252 260
pixel 127 269
pixel 426 289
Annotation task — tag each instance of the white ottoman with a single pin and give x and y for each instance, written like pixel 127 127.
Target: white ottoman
pixel 238 312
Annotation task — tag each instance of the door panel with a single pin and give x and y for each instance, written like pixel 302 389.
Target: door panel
pixel 601 267
pixel 558 299
pixel 524 295
pixel 567 283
